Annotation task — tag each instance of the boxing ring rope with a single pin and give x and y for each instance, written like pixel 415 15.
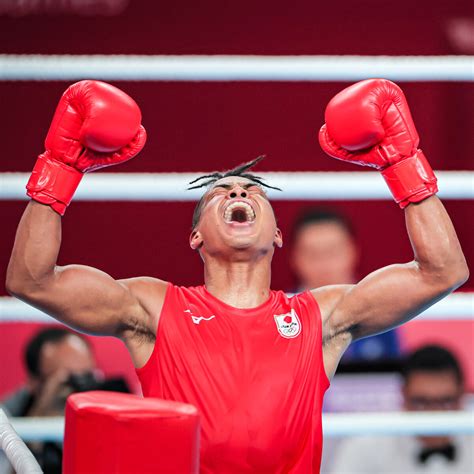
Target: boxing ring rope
pixel 20 457
pixel 455 307
pixel 334 425
pixel 234 68
pixel 326 185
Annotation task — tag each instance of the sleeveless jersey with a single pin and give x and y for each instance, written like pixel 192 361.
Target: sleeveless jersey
pixel 255 375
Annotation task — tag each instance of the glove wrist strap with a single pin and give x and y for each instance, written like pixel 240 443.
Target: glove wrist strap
pixel 53 183
pixel 411 180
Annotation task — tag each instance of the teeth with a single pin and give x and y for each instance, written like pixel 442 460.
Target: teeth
pixel 239 205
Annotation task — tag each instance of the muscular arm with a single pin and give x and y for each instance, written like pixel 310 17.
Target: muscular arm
pixel 394 294
pixel 82 297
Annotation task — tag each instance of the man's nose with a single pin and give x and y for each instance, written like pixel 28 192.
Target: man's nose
pixel 237 192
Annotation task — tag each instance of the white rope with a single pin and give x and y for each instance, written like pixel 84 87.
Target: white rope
pixel 18 454
pixel 455 307
pixel 39 428
pixel 398 424
pixel 235 68
pixel 334 424
pixel 355 185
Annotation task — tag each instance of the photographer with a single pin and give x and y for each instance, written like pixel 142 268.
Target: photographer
pixel 59 362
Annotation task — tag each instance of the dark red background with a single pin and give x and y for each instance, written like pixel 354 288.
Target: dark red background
pixel 208 126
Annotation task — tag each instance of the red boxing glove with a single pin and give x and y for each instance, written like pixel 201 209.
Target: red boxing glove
pixel 95 125
pixel 369 124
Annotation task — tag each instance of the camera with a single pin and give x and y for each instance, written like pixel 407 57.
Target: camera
pixel 87 381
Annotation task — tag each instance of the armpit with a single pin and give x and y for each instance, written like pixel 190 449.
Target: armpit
pixel 135 330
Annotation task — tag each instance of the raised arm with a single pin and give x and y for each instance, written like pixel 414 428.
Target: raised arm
pixel 370 124
pixel 95 125
pixel 394 294
pixel 81 297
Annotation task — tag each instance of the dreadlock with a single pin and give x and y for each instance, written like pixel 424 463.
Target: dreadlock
pixel 237 171
pixel 241 171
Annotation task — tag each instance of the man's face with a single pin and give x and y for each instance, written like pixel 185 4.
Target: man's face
pixel 432 391
pixel 70 355
pixel 58 362
pixel 324 253
pixel 235 216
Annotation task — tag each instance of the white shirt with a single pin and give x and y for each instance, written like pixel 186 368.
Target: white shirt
pixel 399 455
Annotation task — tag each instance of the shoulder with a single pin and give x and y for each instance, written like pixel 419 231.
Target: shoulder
pixel 325 299
pixel 143 282
pixel 149 294
pixel 145 287
pixel 328 297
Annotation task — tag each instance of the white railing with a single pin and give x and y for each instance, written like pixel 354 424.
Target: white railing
pixel 234 68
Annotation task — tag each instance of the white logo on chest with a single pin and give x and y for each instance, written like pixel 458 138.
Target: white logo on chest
pixel 288 324
pixel 198 319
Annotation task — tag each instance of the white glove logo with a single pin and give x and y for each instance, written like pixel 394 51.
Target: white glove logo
pixel 198 319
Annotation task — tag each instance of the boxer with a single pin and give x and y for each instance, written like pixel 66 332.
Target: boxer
pixel 255 362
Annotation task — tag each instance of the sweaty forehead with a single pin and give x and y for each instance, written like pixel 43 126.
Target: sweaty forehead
pixel 230 180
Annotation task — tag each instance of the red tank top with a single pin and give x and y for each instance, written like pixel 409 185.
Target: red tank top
pixel 256 376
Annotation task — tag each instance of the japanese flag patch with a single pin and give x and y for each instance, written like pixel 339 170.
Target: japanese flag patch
pixel 288 324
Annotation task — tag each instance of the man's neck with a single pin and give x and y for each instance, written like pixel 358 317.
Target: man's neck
pixel 239 284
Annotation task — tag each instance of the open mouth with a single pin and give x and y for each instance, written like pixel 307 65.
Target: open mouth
pixel 239 212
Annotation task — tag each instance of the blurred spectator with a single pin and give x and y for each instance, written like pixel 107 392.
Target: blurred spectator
pixel 432 380
pixel 58 362
pixel 460 33
pixel 325 252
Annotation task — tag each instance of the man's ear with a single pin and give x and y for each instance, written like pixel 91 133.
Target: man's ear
pixel 278 240
pixel 195 240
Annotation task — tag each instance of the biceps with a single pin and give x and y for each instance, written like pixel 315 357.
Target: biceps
pixel 384 299
pixel 87 299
